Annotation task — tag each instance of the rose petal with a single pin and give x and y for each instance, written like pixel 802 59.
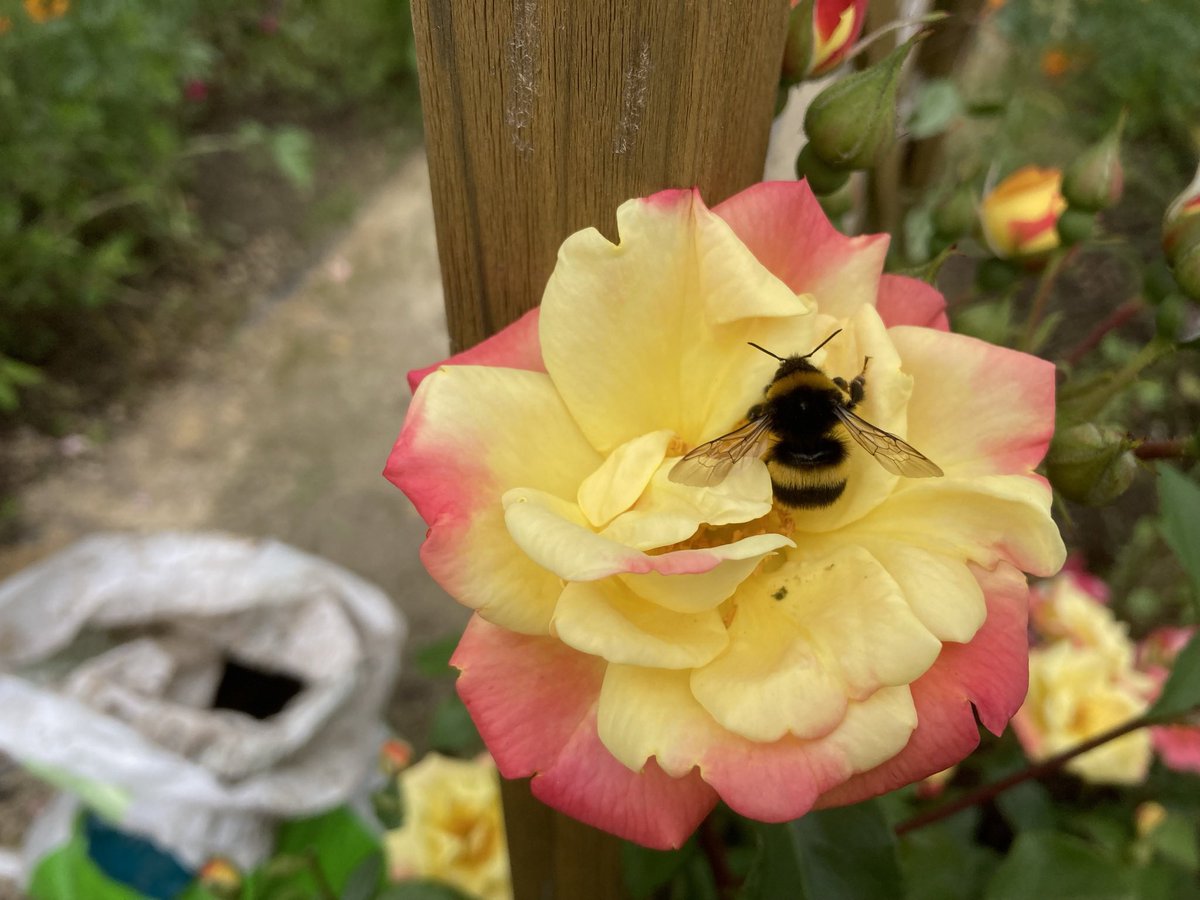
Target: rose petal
pixel 457 455
pixel 656 302
pixel 785 228
pixel 620 480
pixel 514 347
pixel 647 713
pixel 983 519
pixel 989 674
pixel 606 619
pixel 909 301
pixel 554 534
pixel 1179 746
pixel 807 637
pixel 994 416
pixel 509 681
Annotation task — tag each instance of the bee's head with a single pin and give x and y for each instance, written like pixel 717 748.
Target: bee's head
pixel 790 364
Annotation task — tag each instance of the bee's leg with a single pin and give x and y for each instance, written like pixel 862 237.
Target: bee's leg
pixel 857 389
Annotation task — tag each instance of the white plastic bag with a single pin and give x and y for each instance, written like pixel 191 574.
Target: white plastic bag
pixel 111 653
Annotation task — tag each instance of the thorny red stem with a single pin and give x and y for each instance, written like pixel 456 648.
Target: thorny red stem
pixel 986 792
pixel 1179 448
pixel 1111 322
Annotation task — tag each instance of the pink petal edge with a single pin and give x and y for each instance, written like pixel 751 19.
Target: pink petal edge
pixel 991 674
pixel 533 700
pixel 909 301
pixel 514 347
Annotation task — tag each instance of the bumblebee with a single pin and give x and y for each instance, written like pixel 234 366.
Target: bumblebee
pixel 799 430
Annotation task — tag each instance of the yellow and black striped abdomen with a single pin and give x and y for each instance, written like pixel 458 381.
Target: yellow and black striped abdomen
pixel 808 460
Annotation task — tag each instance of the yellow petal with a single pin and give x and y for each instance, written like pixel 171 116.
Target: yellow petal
pixel 620 480
pixel 606 619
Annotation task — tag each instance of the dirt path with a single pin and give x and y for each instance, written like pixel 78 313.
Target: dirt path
pixel 284 431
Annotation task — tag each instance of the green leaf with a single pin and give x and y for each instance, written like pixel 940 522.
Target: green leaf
pixel 292 151
pixel 1027 807
pixel 1181 693
pixel 433 659
pixel 647 870
pixel 1054 865
pixel 943 862
pixel 338 841
pixel 452 730
pixel 937 104
pixel 1179 499
pixel 364 882
pixel 422 890
pixel 70 872
pixel 1175 840
pixel 835 853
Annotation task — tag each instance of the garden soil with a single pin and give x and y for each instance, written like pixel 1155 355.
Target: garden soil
pixel 282 431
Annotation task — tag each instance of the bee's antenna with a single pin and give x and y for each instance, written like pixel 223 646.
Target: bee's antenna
pixel 764 350
pixel 820 345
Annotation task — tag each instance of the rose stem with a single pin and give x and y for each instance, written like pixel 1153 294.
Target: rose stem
pixel 714 850
pixel 986 792
pixel 1114 320
pixel 1042 296
pixel 1178 448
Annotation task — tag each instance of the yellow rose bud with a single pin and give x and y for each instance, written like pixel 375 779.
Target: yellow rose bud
pixel 1148 816
pixel 1019 216
pixel 394 757
pixel 220 877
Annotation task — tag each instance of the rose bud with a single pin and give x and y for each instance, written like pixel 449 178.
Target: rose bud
pixel 1020 215
pixel 820 34
pixel 1091 465
pixel 220 878
pixel 1181 224
pixel 851 122
pixel 1095 179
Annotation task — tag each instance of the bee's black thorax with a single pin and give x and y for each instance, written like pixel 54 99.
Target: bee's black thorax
pixel 806 461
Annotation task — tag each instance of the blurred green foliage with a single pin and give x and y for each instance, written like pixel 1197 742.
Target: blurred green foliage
pixel 104 107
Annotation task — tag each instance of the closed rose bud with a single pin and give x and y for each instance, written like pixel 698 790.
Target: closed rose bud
pixel 220 878
pixel 1095 179
pixel 1091 465
pixel 1181 224
pixel 820 34
pixel 1186 267
pixel 851 122
pixel 394 756
pixel 821 177
pixel 1019 216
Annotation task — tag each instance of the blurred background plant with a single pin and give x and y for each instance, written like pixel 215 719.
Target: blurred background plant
pixel 116 119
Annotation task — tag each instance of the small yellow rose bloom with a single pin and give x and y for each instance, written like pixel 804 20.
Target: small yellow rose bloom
pixel 1148 816
pixel 453 827
pixel 1065 610
pixel 1074 696
pixel 220 877
pixel 45 10
pixel 1019 216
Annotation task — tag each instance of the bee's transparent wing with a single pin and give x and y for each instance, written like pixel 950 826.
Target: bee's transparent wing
pixel 710 463
pixel 889 451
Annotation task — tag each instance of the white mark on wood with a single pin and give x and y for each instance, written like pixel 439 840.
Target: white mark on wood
pixel 522 60
pixel 634 92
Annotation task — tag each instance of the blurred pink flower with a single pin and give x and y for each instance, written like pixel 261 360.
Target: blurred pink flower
pixel 1178 746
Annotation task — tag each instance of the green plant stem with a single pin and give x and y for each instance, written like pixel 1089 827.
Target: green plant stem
pixel 324 889
pixel 714 852
pixel 1111 322
pixel 1041 297
pixel 986 792
pixel 1092 395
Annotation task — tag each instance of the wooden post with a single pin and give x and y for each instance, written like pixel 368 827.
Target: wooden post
pixel 541 117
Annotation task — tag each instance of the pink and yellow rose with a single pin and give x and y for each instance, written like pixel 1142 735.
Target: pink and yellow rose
pixel 645 648
pixel 1019 216
pixel 1178 746
pixel 1083 681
